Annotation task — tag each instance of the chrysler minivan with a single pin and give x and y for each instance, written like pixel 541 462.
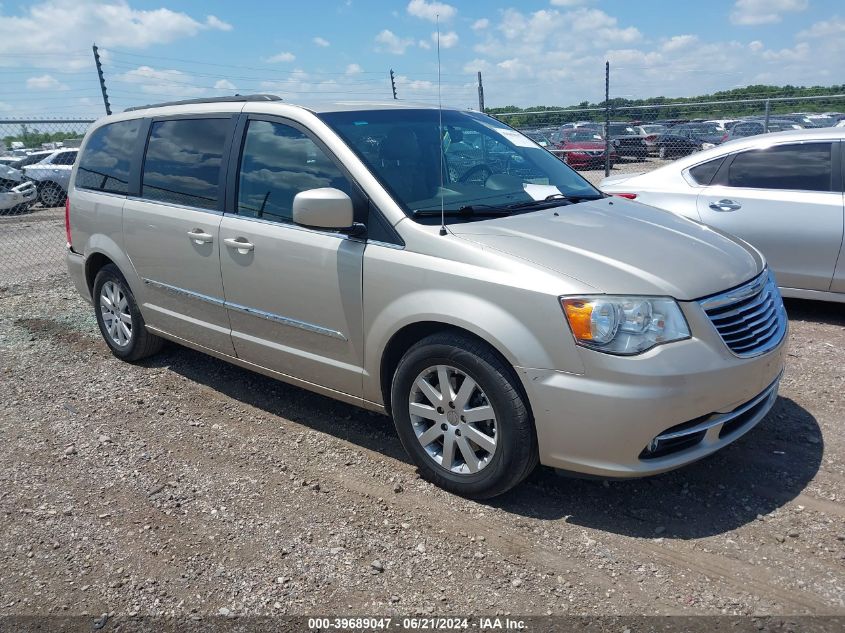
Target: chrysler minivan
pixel 434 265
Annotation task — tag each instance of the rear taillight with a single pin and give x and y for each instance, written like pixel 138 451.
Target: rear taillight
pixel 725 137
pixel 629 196
pixel 651 137
pixel 67 222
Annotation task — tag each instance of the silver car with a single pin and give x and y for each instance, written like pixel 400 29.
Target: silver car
pixel 781 192
pixel 51 176
pixel 16 193
pixel 496 305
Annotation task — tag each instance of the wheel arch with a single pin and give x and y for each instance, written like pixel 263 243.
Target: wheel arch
pixel 408 335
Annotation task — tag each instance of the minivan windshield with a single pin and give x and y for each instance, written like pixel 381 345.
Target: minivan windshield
pixel 486 168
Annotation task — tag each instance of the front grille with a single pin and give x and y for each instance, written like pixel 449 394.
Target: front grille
pixel 750 319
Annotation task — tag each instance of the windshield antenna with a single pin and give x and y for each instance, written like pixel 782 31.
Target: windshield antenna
pixel 440 134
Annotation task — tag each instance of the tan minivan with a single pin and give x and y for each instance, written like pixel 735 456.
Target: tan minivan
pixel 435 265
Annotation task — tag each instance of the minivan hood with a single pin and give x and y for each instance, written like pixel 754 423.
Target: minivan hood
pixel 617 246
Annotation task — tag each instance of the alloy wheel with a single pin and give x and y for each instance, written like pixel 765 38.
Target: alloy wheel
pixel 114 308
pixel 453 419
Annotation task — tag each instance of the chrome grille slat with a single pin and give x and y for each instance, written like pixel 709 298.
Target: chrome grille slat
pixel 766 317
pixel 759 336
pixel 747 305
pixel 750 319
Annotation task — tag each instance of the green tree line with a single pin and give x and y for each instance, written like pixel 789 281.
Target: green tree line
pixel 33 138
pixel 683 107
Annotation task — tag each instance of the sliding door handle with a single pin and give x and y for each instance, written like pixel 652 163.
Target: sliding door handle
pixel 240 243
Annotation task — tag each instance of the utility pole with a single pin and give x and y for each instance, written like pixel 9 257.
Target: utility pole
pixel 393 83
pixel 480 93
pixel 102 79
pixel 607 118
pixel 768 113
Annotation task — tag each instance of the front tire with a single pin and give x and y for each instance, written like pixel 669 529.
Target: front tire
pixel 119 318
pixel 461 416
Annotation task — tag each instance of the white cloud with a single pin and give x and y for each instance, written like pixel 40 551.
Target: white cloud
pixel 556 57
pixel 45 82
pixel 354 69
pixel 161 82
pixel 424 44
pixel 430 10
pixel 388 41
pixel 284 56
pixel 480 24
pixel 755 12
pixel 677 42
pixel 447 40
pixel 320 41
pixel 224 84
pixel 213 22
pixel 833 27
pixel 49 29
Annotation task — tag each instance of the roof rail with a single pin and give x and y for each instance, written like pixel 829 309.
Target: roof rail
pixel 256 97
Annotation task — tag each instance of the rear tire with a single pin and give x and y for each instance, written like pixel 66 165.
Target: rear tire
pixel 491 413
pixel 51 194
pixel 119 318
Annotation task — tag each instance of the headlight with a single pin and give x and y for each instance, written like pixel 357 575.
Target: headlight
pixel 624 325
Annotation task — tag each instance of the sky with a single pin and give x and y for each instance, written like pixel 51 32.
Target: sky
pixel 530 52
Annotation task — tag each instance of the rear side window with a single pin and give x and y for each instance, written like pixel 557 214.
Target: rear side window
pixel 104 164
pixel 182 163
pixel 278 162
pixel 703 174
pixel 64 158
pixel 802 167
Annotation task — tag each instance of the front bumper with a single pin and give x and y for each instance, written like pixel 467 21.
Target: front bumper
pixel 23 193
pixel 604 422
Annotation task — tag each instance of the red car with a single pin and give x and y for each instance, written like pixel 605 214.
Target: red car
pixel 582 149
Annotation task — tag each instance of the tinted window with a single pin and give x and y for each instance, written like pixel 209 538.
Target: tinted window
pixel 279 161
pixel 703 173
pixel 64 158
pixel 104 164
pixel 804 167
pixel 182 164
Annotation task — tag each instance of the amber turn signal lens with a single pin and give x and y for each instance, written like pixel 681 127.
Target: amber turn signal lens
pixel 579 312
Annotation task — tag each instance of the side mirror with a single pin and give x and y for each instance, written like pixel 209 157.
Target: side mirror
pixel 324 208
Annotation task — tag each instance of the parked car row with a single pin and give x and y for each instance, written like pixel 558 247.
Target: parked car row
pixel 673 138
pixel 41 175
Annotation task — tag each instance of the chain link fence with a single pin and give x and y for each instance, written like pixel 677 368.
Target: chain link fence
pixel 36 157
pixel 643 137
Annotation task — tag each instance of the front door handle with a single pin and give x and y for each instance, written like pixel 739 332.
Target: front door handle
pixel 200 237
pixel 240 243
pixel 725 205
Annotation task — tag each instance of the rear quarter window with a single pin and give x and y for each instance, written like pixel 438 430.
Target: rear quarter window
pixel 105 161
pixel 703 174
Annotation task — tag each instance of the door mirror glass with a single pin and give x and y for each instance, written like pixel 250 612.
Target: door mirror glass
pixel 324 208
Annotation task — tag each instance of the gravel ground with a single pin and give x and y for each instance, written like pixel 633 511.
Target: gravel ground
pixel 185 486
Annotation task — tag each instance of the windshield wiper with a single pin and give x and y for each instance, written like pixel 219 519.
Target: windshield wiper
pixel 467 211
pixel 551 201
